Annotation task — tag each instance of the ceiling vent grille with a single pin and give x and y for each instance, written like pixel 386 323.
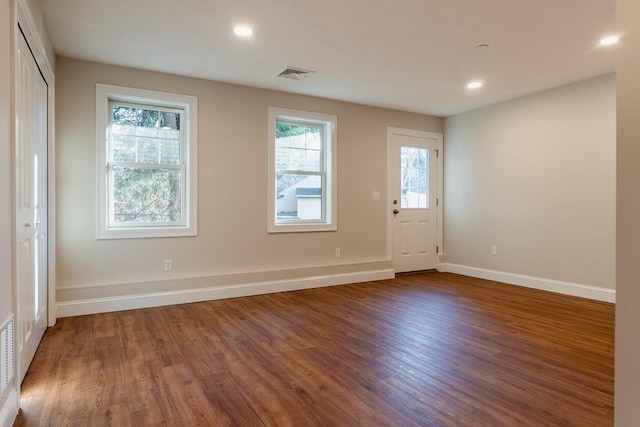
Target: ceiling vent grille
pixel 293 73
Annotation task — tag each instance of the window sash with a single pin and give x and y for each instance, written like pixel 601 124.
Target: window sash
pixel 150 107
pixel 323 143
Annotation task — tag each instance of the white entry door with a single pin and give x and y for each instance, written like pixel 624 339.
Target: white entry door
pixel 31 205
pixel 413 198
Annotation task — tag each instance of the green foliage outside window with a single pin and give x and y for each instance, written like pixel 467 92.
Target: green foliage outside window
pixel 147 195
pixel 283 130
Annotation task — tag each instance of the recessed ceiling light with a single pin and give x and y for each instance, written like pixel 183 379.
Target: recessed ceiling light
pixel 474 85
pixel 609 40
pixel 242 31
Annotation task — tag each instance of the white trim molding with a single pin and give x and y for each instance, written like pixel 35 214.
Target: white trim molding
pixel 551 285
pixel 9 409
pixel 197 294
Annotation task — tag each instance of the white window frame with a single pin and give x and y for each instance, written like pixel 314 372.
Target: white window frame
pixel 105 95
pixel 329 221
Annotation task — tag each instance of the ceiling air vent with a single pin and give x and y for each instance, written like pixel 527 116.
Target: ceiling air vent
pixel 295 73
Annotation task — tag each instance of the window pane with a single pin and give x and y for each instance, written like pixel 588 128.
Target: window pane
pixel 124 148
pixel 298 147
pixel 414 179
pixel 298 197
pixel 148 150
pixel 146 195
pixel 120 129
pixel 168 122
pixel 170 151
pixel 148 129
pixel 134 116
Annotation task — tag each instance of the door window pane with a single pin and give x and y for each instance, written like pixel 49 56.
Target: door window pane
pixel 414 177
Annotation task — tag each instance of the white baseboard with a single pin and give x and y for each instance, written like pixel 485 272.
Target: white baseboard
pixel 156 299
pixel 567 288
pixel 9 410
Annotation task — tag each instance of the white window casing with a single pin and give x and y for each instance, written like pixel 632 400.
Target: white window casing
pixel 315 208
pixel 186 167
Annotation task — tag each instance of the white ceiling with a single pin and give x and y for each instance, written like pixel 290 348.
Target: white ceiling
pixel 412 55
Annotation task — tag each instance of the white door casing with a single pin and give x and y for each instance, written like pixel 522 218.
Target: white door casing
pixel 31 163
pixel 414 228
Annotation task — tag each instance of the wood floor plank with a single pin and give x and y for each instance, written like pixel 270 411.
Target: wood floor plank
pixel 426 349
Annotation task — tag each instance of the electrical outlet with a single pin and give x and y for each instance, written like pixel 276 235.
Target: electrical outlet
pixel 375 195
pixel 494 250
pixel 168 265
pixel 337 252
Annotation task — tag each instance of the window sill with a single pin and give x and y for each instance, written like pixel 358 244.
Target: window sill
pixel 301 228
pixel 146 233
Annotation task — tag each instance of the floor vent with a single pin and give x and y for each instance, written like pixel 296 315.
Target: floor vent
pixel 6 355
pixel 295 73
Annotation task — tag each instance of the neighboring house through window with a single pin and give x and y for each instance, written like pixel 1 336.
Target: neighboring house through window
pixel 302 171
pixel 147 143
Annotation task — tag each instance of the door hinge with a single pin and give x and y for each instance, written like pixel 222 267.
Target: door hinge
pixel 437 201
pixel 437 153
pixel 437 249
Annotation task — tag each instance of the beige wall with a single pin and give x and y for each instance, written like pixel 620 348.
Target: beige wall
pixel 535 176
pixel 627 393
pixel 232 166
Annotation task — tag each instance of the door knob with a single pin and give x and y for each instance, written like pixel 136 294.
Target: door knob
pixel 27 225
pixel 396 211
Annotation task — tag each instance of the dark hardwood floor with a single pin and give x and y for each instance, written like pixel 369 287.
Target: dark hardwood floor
pixel 428 349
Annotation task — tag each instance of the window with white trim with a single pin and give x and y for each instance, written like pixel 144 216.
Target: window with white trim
pixel 147 145
pixel 302 171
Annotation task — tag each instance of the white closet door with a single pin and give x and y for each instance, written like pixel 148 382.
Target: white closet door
pixel 31 205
